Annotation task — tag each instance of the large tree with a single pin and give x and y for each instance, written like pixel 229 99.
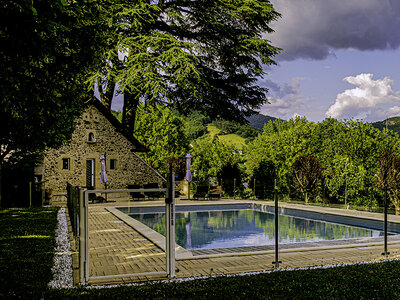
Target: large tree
pixel 47 50
pixel 163 134
pixel 197 54
pixel 307 176
pixel 388 178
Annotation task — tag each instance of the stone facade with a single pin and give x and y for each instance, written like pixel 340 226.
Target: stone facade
pixel 97 133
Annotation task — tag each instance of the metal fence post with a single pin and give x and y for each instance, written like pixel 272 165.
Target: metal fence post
pixel 30 194
pixel 276 262
pixel 385 249
pixel 82 238
pixel 86 216
pixel 170 220
pixel 254 188
pixel 234 188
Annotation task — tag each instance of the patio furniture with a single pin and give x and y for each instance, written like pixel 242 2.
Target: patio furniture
pixel 215 192
pixel 201 192
pixel 152 195
pixel 94 197
pixel 136 195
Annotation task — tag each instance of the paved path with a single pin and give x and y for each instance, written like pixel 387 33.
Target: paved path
pixel 116 248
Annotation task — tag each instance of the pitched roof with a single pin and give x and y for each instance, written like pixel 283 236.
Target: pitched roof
pixel 117 124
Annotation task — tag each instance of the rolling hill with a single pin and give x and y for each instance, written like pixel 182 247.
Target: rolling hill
pixel 392 124
pixel 258 120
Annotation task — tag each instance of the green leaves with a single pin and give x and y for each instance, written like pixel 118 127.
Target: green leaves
pixel 154 58
pixel 48 48
pixel 348 151
pixel 307 176
pixel 163 134
pixel 202 55
pixel 210 156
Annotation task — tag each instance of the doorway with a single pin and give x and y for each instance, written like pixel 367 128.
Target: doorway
pixel 90 173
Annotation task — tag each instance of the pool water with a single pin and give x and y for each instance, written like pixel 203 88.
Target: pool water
pixel 247 227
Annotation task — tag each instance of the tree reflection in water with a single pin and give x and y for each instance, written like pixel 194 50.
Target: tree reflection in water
pixel 236 228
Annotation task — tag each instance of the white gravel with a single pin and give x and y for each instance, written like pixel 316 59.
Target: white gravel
pixel 62 265
pixel 238 274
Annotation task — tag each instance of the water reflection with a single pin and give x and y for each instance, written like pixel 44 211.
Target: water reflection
pixel 221 229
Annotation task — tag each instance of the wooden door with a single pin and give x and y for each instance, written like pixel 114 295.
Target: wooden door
pixel 90 173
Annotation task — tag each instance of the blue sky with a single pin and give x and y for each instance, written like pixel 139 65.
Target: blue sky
pixel 340 59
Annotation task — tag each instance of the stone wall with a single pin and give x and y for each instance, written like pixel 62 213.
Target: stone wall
pixel 130 168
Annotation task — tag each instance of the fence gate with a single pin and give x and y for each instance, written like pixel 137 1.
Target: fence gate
pixel 121 232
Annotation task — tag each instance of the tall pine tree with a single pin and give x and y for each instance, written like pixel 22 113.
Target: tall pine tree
pixel 197 54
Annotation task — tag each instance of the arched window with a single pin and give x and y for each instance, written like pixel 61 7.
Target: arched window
pixel 91 137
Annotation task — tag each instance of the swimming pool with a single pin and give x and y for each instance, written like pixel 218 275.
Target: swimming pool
pixel 241 225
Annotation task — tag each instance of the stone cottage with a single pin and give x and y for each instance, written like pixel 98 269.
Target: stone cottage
pixel 97 133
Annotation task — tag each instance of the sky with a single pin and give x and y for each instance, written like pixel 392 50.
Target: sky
pixel 340 59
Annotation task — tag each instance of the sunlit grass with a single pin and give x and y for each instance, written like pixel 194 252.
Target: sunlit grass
pixel 212 130
pixel 229 139
pixel 35 236
pixel 233 139
pixel 27 240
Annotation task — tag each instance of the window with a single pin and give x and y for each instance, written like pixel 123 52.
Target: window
pixel 91 137
pixel 113 164
pixel 65 164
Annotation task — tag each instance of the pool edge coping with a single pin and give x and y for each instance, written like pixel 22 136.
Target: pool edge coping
pixel 183 254
pixel 155 237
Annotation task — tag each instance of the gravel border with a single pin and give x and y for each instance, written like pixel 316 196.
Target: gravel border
pixel 62 263
pixel 177 280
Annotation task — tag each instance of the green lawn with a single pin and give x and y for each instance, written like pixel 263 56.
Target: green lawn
pixel 27 241
pixel 230 139
pixel 27 244
pixel 372 281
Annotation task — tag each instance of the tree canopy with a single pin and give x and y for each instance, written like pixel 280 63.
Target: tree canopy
pixel 348 152
pixel 48 48
pixel 203 55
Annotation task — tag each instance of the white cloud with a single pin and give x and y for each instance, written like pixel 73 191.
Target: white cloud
pixel 286 100
pixel 370 99
pixel 296 115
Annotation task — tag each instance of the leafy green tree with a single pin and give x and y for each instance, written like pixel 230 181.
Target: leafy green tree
pixel 195 125
pixel 202 55
pixel 345 179
pixel 230 177
pixel 47 50
pixel 264 177
pixel 388 179
pixel 307 176
pixel 209 156
pixel 163 135
pixel 282 143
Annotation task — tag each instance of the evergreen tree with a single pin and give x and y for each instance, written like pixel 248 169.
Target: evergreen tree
pixel 202 55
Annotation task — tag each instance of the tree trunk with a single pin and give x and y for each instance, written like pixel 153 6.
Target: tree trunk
pixel 397 208
pixel 396 202
pixel 107 95
pixel 131 103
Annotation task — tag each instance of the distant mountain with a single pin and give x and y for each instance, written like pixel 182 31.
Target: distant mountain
pixel 258 120
pixel 392 123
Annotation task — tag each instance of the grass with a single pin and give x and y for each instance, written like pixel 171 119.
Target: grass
pixel 27 248
pixel 27 243
pixel 372 281
pixel 230 139
pixel 212 130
